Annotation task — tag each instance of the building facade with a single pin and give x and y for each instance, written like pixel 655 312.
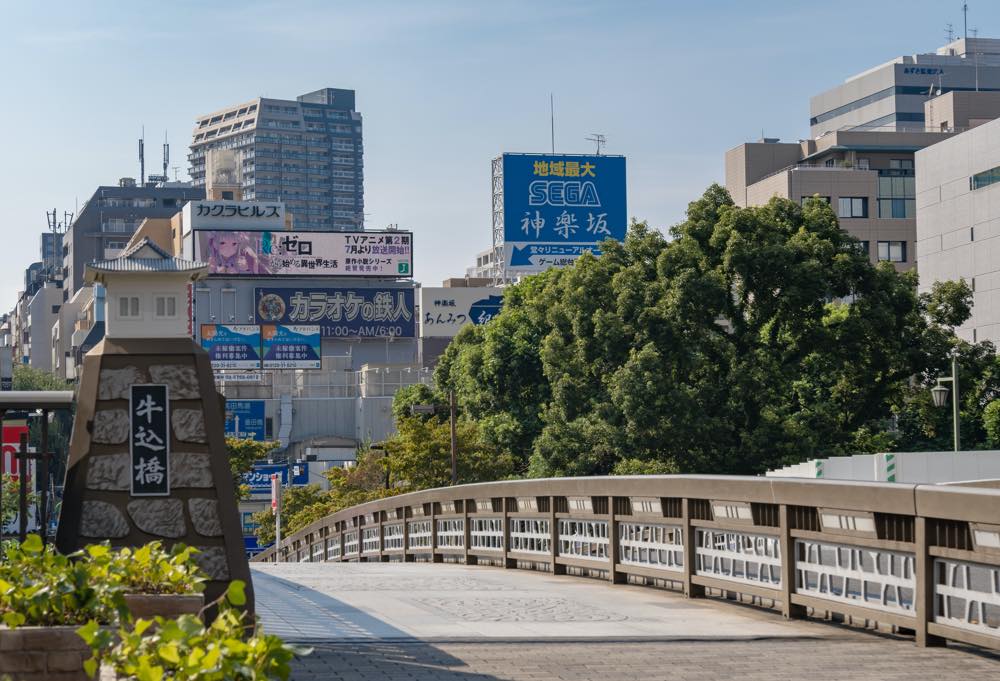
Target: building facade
pixel 867 176
pixel 892 95
pixel 307 153
pixel 110 217
pixel 958 222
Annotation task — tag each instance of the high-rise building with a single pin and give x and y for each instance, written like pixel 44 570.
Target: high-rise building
pixel 305 152
pixel 892 95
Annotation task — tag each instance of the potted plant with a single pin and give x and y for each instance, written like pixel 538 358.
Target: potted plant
pixel 44 598
pixel 186 648
pixel 158 582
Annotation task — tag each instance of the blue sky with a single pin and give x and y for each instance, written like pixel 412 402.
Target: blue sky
pixel 443 88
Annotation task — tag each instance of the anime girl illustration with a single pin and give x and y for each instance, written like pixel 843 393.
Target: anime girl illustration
pixel 235 253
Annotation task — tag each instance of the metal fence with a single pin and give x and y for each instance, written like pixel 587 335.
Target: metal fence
pixel 921 558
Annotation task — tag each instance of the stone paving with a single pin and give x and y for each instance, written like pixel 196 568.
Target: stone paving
pixel 424 622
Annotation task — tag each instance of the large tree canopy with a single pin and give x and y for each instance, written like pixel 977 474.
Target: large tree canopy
pixel 754 337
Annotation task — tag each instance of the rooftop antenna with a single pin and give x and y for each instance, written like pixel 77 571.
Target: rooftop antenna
pixel 176 168
pixel 142 157
pixel 949 30
pixel 598 139
pixel 965 18
pixel 166 153
pixel 552 121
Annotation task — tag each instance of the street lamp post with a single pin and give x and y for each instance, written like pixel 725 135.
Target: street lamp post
pixel 939 394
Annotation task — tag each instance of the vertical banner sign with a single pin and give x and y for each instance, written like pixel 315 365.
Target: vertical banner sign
pixel 149 440
pixel 275 492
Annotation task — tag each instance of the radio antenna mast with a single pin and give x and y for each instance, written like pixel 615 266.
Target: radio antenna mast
pixel 598 139
pixel 552 121
pixel 142 157
pixel 166 153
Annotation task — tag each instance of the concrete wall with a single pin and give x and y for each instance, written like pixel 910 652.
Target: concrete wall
pixel 958 229
pixel 909 467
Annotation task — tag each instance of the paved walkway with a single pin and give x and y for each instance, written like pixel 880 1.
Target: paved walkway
pixel 420 621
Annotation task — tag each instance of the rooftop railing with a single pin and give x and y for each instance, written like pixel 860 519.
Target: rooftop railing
pixel 922 559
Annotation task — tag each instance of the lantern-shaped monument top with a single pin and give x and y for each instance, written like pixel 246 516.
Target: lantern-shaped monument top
pixel 147 291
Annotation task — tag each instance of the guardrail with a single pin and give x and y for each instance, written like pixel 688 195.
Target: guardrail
pixel 922 558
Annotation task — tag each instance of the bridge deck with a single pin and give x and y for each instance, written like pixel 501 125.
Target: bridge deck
pixel 377 620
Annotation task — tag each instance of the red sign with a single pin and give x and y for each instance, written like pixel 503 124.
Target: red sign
pixel 11 445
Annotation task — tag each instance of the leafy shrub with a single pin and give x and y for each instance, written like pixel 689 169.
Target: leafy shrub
pixel 150 569
pixel 185 648
pixel 38 586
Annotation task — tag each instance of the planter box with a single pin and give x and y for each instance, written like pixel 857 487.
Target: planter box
pixel 36 653
pixel 171 606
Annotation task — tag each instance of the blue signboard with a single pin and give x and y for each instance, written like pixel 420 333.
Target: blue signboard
pixel 290 347
pixel 566 204
pixel 232 346
pixel 245 419
pixel 259 479
pixel 341 312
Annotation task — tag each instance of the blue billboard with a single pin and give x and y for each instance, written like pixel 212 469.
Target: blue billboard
pixel 259 479
pixel 291 347
pixel 232 346
pixel 245 419
pixel 341 312
pixel 558 206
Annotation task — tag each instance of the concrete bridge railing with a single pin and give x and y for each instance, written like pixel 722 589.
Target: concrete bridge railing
pixel 924 558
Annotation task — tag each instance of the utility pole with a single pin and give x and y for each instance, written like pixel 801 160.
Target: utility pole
pixel 954 399
pixel 454 440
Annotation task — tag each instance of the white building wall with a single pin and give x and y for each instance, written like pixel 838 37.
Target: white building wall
pixel 958 228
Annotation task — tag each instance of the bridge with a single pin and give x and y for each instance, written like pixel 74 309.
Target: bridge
pixel 658 576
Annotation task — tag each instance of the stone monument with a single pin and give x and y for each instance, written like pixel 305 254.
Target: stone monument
pixel 148 457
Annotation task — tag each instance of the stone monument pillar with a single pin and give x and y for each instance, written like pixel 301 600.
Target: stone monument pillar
pixel 148 457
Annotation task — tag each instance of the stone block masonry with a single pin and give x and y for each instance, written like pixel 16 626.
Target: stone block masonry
pixel 200 507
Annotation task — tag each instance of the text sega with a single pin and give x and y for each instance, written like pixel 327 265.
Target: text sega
pixel 563 193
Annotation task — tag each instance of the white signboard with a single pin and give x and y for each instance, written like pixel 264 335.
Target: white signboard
pixel 244 215
pixel 443 311
pixel 305 254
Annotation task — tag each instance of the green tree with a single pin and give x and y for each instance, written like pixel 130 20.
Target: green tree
pixel 60 421
pixel 12 499
pixel 755 337
pixel 243 454
pixel 293 500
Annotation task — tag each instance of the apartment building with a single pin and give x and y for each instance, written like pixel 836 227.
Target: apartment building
pixel 307 153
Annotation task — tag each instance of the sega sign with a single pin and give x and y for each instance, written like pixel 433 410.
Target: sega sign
pixel 564 203
pixel 259 479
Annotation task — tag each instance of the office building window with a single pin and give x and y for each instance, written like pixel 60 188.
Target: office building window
pixel 897 194
pixel 852 207
pixel 829 163
pixel 892 251
pixel 863 247
pixel 901 163
pixel 985 178
pixel 863 164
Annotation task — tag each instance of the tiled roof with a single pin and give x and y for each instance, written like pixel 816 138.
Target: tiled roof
pixel 146 256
